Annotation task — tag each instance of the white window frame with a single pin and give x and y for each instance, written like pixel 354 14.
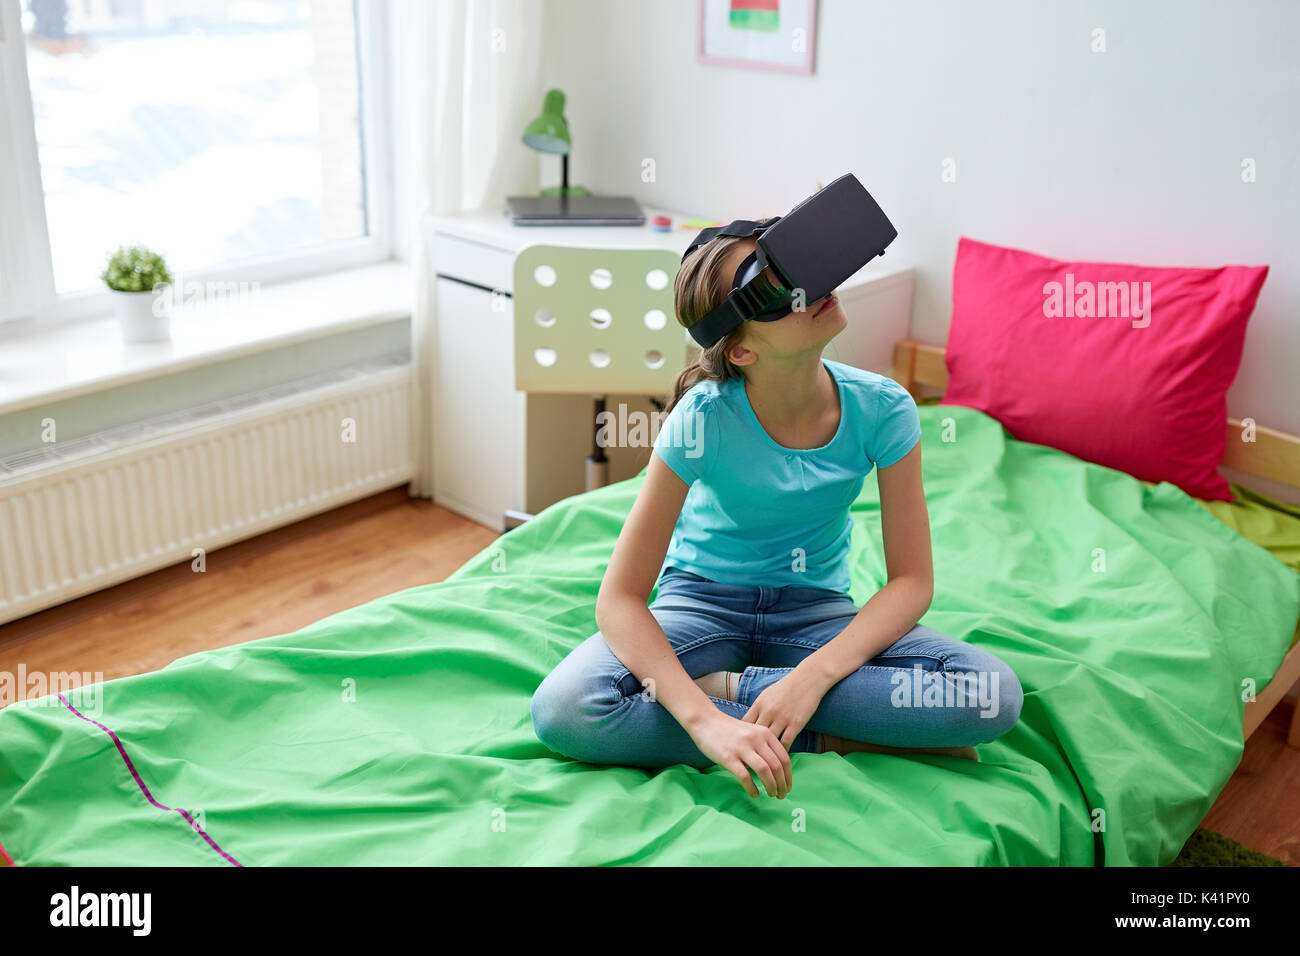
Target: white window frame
pixel 27 292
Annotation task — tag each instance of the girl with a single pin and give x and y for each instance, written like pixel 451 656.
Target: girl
pixel 752 648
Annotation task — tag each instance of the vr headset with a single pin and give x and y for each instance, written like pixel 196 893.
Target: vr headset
pixel 811 249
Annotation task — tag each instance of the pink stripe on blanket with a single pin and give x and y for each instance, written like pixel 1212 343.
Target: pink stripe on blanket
pixel 145 790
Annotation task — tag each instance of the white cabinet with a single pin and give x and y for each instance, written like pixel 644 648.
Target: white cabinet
pixel 478 417
pixel 495 448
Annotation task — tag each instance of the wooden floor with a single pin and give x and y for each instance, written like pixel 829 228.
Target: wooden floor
pixel 268 585
pixel 286 579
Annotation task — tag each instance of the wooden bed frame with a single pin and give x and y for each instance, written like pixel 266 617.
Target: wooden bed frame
pixel 1273 455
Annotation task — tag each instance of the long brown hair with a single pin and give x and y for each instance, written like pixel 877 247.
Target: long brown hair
pixel 702 283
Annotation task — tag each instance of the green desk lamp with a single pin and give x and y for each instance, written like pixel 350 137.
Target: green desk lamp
pixel 549 133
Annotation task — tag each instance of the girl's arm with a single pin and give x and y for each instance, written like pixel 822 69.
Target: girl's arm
pixel 635 637
pixel 622 615
pixel 895 609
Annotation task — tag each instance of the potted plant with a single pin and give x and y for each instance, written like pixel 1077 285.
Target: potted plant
pixel 134 276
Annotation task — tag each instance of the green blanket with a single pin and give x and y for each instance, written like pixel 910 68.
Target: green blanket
pixel 398 732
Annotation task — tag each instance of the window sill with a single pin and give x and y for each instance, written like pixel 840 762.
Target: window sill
pixel 37 367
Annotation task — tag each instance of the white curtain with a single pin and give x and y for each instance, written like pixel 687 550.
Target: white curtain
pixel 477 65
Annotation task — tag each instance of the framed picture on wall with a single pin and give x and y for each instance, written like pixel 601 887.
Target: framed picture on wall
pixel 775 35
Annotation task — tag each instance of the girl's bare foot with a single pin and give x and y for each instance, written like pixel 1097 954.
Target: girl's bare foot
pixel 720 684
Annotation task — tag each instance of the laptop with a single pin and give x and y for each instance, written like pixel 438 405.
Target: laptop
pixel 574 211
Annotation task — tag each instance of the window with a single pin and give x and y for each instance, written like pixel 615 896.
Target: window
pixel 229 135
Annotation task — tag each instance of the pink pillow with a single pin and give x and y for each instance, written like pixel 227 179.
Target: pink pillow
pixel 1126 366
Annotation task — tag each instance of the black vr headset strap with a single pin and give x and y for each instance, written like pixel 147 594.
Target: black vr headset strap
pixel 740 228
pixel 743 303
pixel 714 327
pixel 733 310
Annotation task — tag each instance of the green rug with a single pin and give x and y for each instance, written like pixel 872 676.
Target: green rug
pixel 1213 849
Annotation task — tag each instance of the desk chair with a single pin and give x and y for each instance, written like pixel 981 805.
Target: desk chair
pixel 596 321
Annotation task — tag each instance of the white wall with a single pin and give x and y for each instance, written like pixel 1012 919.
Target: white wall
pixel 1129 155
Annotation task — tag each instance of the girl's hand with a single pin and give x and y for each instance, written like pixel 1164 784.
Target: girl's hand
pixel 787 706
pixel 739 746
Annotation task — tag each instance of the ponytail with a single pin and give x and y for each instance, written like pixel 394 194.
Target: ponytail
pixel 710 364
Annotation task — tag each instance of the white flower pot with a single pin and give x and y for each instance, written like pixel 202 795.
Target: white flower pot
pixel 137 315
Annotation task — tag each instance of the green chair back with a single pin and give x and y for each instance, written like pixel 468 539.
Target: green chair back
pixel 596 321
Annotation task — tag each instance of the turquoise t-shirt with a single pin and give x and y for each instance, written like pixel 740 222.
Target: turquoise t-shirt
pixel 759 513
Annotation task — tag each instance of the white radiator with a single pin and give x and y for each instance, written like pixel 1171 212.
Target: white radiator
pixel 85 514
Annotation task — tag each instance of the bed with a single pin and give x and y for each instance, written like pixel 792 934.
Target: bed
pixel 398 732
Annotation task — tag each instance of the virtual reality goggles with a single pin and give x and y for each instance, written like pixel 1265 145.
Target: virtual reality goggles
pixel 811 249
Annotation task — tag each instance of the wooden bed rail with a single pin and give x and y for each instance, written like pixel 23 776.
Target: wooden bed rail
pixel 1273 455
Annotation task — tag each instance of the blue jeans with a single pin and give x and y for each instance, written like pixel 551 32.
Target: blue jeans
pixel 926 690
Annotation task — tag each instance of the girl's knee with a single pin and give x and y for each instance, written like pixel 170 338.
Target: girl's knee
pixel 988 693
pixel 542 709
pixel 1001 698
pixel 568 708
pixel 553 706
